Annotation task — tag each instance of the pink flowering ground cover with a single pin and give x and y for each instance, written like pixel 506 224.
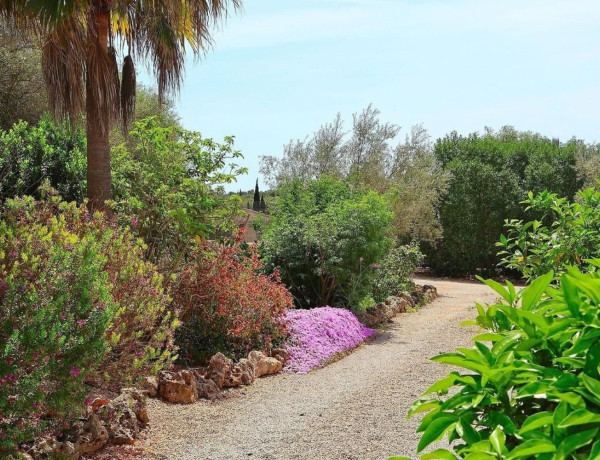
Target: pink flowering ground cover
pixel 320 333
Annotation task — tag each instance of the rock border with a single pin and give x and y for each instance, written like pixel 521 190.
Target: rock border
pixel 107 422
pixel 383 313
pixel 189 385
pixel 119 421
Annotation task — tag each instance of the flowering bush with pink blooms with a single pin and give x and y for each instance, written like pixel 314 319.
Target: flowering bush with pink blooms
pixel 77 303
pixel 319 334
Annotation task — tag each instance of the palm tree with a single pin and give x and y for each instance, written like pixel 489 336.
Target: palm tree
pixel 80 42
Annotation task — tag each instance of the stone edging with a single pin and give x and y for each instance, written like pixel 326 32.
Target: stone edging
pixel 189 385
pixel 384 312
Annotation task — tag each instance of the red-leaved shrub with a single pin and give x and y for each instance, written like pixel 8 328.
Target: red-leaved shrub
pixel 226 304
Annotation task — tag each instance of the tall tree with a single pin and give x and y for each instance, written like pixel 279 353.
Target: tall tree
pixel 256 202
pixel 79 58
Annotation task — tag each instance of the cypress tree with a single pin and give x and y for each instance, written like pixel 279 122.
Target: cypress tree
pixel 263 205
pixel 256 204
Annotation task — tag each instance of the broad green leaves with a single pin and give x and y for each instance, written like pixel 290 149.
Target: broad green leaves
pixel 530 384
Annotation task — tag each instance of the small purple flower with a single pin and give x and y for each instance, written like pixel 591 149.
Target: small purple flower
pixel 134 222
pixel 75 371
pixel 81 322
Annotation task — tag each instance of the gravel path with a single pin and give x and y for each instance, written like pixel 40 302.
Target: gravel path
pixel 354 408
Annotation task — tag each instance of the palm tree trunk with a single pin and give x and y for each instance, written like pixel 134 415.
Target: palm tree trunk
pixel 98 158
pixel 99 184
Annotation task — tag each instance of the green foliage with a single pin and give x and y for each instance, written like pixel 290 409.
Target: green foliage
pixel 491 174
pixel 52 328
pixel 321 237
pixel 588 164
pixel 77 304
pixel 49 151
pixel 532 383
pixel 147 105
pixel 567 233
pixel 167 185
pixel 407 173
pixel 393 274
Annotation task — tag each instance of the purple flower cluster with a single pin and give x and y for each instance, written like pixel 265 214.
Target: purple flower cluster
pixel 320 333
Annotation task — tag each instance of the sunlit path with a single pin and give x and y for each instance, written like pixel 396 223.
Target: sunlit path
pixel 353 409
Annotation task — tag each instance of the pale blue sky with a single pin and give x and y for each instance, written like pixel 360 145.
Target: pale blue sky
pixel 281 68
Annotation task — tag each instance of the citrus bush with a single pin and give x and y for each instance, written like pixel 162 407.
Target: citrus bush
pixel 78 304
pixel 565 233
pixel 226 304
pixel 531 384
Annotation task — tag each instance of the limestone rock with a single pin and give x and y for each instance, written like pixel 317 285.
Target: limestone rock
pixel 273 365
pixel 177 387
pixel 424 294
pixel 150 386
pixel 98 403
pixel 136 400
pixel 385 311
pixel 407 297
pixel 206 388
pixel 264 365
pixel 220 371
pixel 247 370
pixel 257 358
pixel 52 448
pixel 92 437
pixel 281 354
pixel 116 421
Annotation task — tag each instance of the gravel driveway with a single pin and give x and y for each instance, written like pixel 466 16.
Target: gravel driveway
pixel 354 408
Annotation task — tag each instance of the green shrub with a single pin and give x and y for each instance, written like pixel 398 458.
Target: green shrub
pixel 393 274
pixel 567 233
pixel 166 185
pixel 49 151
pixel 491 174
pixel 322 237
pixel 77 304
pixel 531 386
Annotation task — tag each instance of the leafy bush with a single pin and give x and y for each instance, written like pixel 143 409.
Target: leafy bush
pixel 567 233
pixel 393 274
pixel 532 386
pixel 226 304
pixel 77 304
pixel 491 174
pixel 406 172
pixel 319 334
pixel 322 236
pixel 166 184
pixel 49 151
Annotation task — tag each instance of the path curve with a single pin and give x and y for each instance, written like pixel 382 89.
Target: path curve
pixel 352 409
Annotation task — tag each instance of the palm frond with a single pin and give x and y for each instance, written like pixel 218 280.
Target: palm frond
pixel 128 86
pixel 63 65
pixel 112 57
